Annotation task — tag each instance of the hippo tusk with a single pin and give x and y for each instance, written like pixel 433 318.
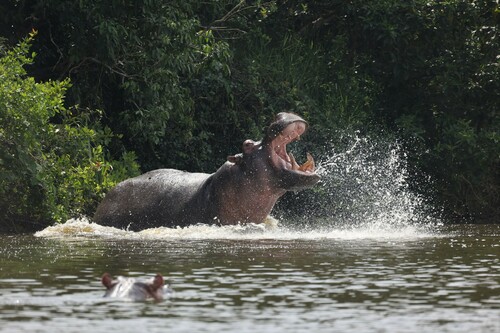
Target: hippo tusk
pixel 308 166
pixel 295 165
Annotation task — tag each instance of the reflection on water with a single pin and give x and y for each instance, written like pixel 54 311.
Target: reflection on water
pixel 255 278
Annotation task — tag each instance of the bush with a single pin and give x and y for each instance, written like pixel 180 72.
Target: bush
pixel 52 165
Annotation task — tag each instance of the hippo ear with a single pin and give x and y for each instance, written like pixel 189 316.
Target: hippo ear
pixel 107 281
pixel 158 281
pixel 236 159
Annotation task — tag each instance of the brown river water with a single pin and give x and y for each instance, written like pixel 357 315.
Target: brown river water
pixel 255 279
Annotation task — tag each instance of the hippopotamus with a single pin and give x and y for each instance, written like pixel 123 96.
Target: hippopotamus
pixel 129 288
pixel 243 190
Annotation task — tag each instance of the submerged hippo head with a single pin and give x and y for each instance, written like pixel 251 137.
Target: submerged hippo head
pixel 129 288
pixel 270 158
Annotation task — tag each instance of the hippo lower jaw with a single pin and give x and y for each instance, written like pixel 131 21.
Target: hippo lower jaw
pixel 292 180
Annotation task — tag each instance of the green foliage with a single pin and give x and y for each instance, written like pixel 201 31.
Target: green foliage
pixel 438 63
pixel 48 171
pixel 136 61
pixel 437 77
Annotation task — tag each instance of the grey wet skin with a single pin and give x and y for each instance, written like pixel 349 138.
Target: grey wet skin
pixel 242 190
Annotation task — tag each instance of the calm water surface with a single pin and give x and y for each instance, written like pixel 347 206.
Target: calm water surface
pixel 255 280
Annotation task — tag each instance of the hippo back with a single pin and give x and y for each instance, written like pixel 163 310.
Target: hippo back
pixel 157 198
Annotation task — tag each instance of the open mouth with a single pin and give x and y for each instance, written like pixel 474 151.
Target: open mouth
pixel 290 134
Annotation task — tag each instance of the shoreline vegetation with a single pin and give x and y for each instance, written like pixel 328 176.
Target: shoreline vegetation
pixel 95 92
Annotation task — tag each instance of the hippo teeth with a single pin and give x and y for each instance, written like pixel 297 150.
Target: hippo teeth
pixel 308 166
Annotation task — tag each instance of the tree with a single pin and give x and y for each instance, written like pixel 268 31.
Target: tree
pixel 185 82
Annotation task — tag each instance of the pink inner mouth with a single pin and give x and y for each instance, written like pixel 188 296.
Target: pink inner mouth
pixel 290 134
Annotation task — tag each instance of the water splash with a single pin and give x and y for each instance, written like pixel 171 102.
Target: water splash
pixel 364 186
pixel 83 228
